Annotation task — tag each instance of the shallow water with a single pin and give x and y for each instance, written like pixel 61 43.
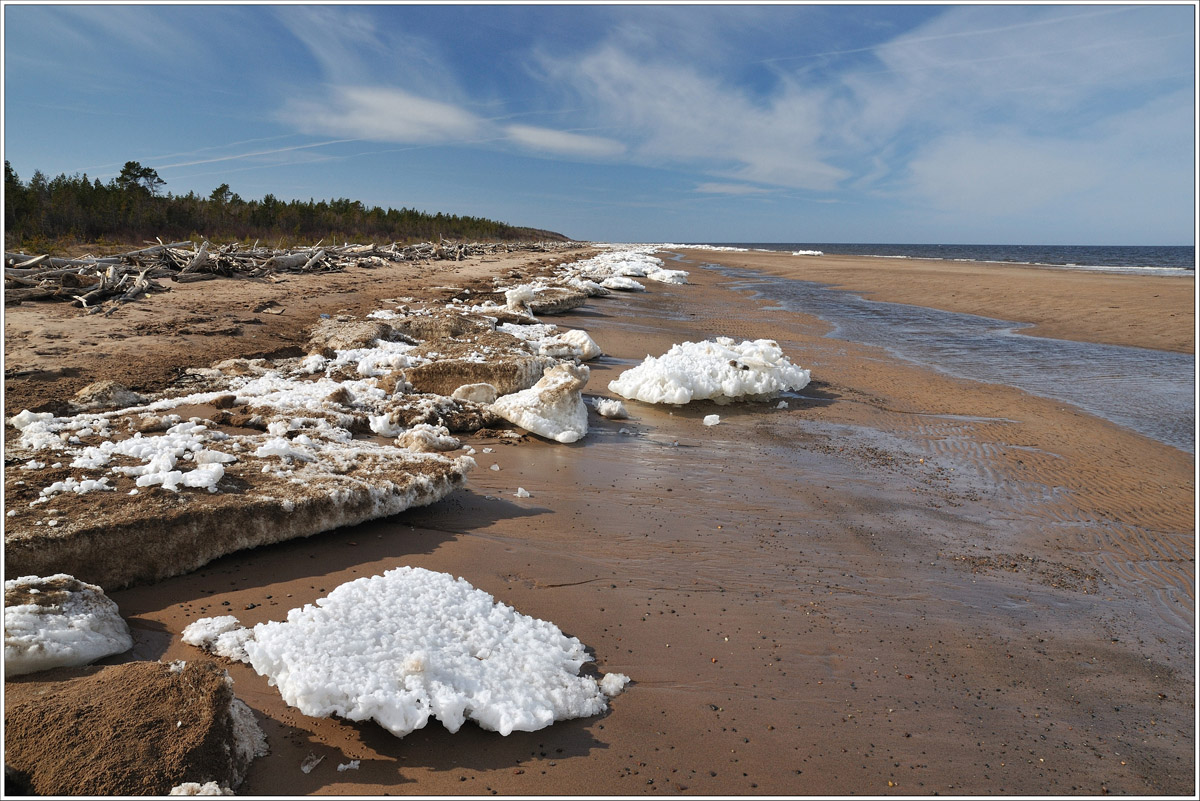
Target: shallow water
pixel 1151 392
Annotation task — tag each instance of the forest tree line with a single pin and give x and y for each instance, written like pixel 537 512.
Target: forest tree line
pixel 45 212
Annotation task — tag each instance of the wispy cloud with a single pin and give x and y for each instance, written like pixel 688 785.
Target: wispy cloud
pixel 382 114
pixel 390 114
pixel 716 188
pixel 676 116
pixel 252 154
pixel 563 142
pixel 931 37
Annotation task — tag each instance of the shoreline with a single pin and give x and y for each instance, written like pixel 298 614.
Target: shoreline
pixel 1156 312
pixel 810 600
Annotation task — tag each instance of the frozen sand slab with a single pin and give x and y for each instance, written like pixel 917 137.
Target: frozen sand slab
pixel 411 644
pixel 59 621
pixel 494 357
pixel 721 371
pixel 70 732
pixel 306 489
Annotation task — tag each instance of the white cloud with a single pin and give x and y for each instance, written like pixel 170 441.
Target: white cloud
pixel 716 188
pixel 384 115
pixel 1018 64
pixel 562 142
pixel 353 47
pixel 678 116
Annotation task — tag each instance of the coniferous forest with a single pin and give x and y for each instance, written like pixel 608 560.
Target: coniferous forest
pixel 44 213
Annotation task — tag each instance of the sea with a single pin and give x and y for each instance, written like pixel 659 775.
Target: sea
pixel 1152 259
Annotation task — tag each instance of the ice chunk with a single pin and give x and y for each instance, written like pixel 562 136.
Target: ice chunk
pixel 613 683
pixel 214 457
pixel 623 283
pixel 59 621
pixel 426 438
pixel 519 297
pixel 223 636
pixel 712 419
pixel 411 644
pixel 282 447
pixel 668 276
pixel 345 766
pixel 720 370
pixel 22 420
pixel 476 393
pixel 551 408
pixel 611 408
pixel 521 492
pixel 196 788
pixel 581 342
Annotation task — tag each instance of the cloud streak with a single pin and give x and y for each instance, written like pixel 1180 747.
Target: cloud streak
pixel 548 140
pixel 390 114
pixel 717 188
pixel 252 154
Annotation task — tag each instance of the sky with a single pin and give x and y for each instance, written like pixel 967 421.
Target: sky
pixel 1002 124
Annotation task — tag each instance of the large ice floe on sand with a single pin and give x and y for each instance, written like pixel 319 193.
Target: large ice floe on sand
pixel 551 408
pixel 722 371
pixel 59 621
pixel 411 644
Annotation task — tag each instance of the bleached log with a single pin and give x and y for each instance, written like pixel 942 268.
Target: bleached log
pixel 286 261
pixel 198 260
pixel 31 263
pixel 308 265
pixel 191 278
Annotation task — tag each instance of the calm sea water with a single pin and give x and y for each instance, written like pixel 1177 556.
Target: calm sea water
pixel 1151 392
pixel 1166 258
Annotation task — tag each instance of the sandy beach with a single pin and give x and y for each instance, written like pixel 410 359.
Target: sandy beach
pixel 901 583
pixel 1110 308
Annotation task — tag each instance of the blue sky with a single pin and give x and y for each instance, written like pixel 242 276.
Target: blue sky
pixel 1035 124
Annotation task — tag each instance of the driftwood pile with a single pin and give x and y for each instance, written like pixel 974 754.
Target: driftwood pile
pixel 106 283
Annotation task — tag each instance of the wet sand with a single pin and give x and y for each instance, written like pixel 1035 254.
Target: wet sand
pixel 901 584
pixel 1089 306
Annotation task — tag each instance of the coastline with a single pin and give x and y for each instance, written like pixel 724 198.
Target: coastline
pixel 1145 311
pixel 900 584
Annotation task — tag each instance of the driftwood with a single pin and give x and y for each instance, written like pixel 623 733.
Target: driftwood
pixel 118 279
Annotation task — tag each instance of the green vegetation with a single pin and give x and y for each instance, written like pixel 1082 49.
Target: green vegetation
pixel 45 213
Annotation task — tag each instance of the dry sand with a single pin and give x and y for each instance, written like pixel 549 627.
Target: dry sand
pixel 901 584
